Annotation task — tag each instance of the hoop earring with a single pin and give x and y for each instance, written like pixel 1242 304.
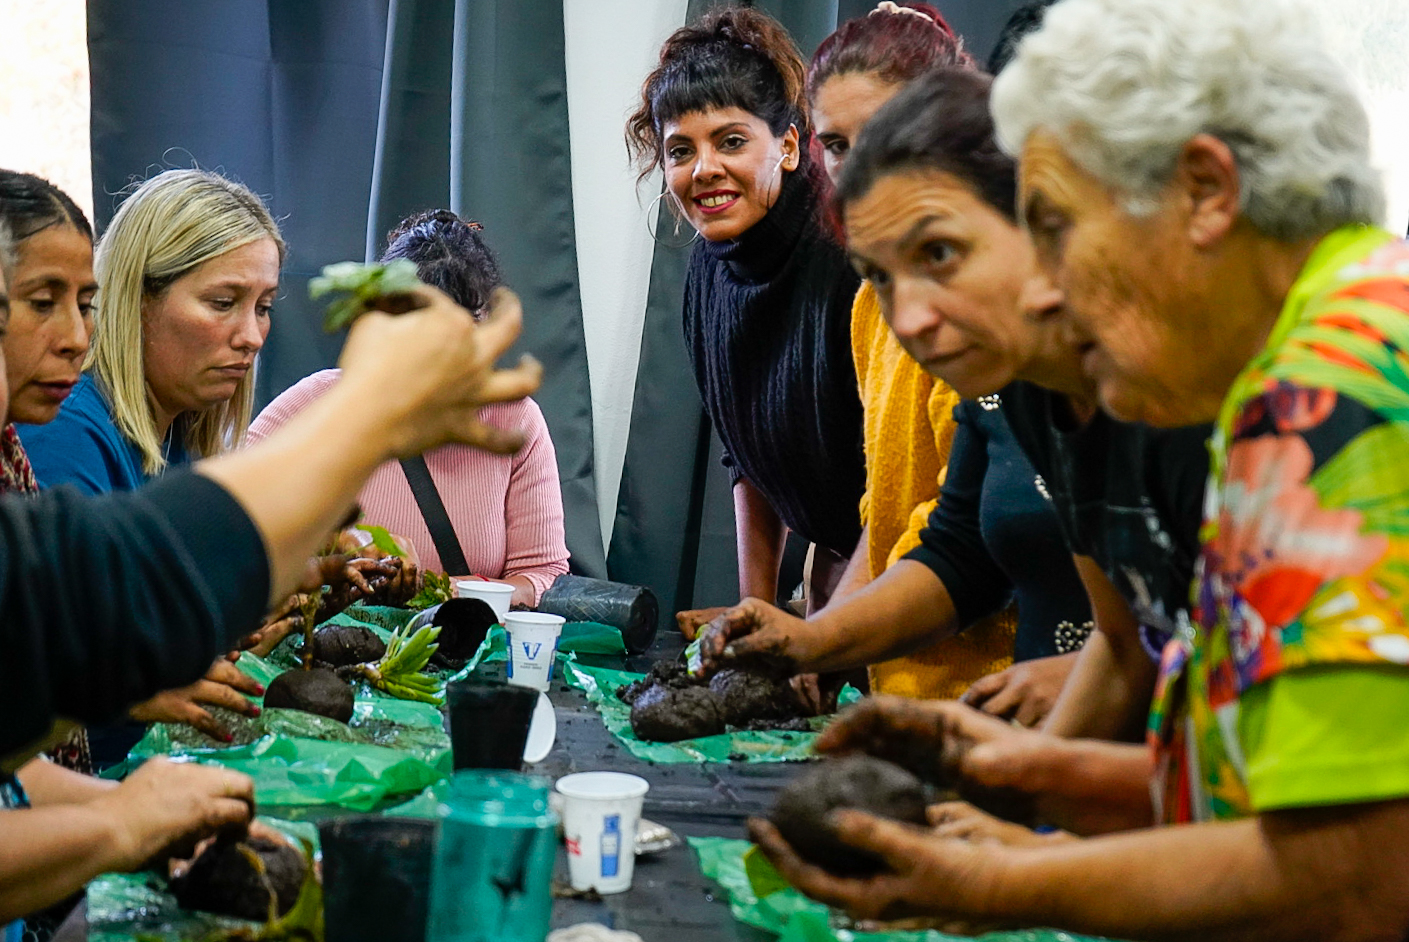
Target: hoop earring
pixel 651 212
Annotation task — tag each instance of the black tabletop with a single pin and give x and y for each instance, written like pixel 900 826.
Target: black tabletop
pixel 670 900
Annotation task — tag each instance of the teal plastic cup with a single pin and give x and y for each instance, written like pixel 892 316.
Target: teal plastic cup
pixel 493 871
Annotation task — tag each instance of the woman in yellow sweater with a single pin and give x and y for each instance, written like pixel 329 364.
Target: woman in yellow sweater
pixel 909 424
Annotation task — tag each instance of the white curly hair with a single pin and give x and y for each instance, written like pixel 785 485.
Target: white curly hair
pixel 1124 84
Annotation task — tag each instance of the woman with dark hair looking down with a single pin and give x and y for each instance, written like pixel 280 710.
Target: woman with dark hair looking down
pixel 506 510
pixel 768 293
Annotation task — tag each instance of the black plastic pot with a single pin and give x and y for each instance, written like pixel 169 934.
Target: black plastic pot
pixel 376 877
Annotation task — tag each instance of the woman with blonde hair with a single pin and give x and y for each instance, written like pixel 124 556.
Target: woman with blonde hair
pixel 187 274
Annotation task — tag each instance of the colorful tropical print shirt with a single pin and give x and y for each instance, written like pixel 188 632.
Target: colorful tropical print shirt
pixel 1305 540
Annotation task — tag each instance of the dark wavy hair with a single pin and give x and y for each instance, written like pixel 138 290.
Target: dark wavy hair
pixel 30 204
pixel 895 47
pixel 730 58
pixel 449 254
pixel 938 122
pixel 1025 19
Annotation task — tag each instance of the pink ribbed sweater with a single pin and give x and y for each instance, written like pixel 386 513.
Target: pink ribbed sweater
pixel 506 510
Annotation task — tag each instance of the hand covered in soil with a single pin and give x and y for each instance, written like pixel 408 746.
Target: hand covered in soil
pixel 362 579
pixel 1024 692
pixel 691 621
pixel 947 743
pixel 278 625
pixel 224 685
pixel 753 633
pixel 165 808
pixel 926 874
pixel 432 371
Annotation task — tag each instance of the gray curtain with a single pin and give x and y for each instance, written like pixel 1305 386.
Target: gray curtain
pixel 347 115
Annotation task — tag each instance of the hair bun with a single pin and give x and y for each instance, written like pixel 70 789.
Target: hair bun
pixel 431 217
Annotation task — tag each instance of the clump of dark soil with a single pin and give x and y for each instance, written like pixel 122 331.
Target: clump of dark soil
pixel 670 714
pixel 242 879
pixel 745 697
pixel 342 645
pixel 864 783
pixel 317 691
pixel 668 705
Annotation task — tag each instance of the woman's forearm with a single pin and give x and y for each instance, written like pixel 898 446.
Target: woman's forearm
pixel 47 854
pixel 857 573
pixel 904 610
pixel 760 543
pixel 48 784
pixel 335 445
pixel 1108 693
pixel 1333 875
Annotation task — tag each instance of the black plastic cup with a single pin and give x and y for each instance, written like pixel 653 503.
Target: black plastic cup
pixel 376 877
pixel 489 722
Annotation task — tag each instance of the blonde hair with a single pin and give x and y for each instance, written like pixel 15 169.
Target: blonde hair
pixel 170 225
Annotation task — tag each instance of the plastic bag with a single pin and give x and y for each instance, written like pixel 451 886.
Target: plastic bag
pixel 390 748
pixel 632 609
pixel 795 918
pixel 601 684
pixel 138 907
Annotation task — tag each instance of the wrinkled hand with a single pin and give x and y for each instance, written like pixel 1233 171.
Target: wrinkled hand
pixel 928 875
pixel 165 808
pixel 991 762
pixel 1024 692
pixel 433 371
pixel 961 820
pixel 752 633
pixel 690 622
pixel 223 685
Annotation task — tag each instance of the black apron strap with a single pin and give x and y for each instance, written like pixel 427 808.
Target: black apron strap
pixel 447 545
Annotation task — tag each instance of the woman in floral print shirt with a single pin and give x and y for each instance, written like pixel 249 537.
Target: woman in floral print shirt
pixel 1196 178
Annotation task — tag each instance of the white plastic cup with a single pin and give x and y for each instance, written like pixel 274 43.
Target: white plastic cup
pixel 600 814
pixel 533 646
pixel 497 595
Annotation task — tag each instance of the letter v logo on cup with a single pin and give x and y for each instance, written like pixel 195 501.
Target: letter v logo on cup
pixel 531 634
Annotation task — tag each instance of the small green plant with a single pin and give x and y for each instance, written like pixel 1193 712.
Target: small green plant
pixel 360 285
pixel 398 673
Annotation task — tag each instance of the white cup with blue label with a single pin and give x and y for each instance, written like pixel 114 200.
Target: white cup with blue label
pixel 600 813
pixel 533 646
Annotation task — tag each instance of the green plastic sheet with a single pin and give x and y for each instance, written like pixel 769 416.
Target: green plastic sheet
pixel 795 918
pixel 391 749
pixel 601 684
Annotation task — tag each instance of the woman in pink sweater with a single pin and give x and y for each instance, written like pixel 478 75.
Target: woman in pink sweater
pixel 506 510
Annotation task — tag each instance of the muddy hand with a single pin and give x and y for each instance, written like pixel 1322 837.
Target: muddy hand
pixel 751 634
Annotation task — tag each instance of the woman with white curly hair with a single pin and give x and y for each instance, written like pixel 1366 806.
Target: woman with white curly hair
pixel 1195 176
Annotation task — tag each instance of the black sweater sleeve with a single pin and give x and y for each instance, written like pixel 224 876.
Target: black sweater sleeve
pixel 106 601
pixel 952 544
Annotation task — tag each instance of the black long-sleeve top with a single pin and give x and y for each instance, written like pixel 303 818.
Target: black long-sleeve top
pixel 105 601
pixel 1127 495
pixel 993 537
pixel 768 329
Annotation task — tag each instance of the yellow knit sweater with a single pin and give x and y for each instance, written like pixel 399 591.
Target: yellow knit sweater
pixel 909 427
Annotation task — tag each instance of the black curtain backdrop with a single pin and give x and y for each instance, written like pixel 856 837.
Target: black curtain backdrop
pixel 349 114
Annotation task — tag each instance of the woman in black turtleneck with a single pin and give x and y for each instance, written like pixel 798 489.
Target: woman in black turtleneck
pixel 769 291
